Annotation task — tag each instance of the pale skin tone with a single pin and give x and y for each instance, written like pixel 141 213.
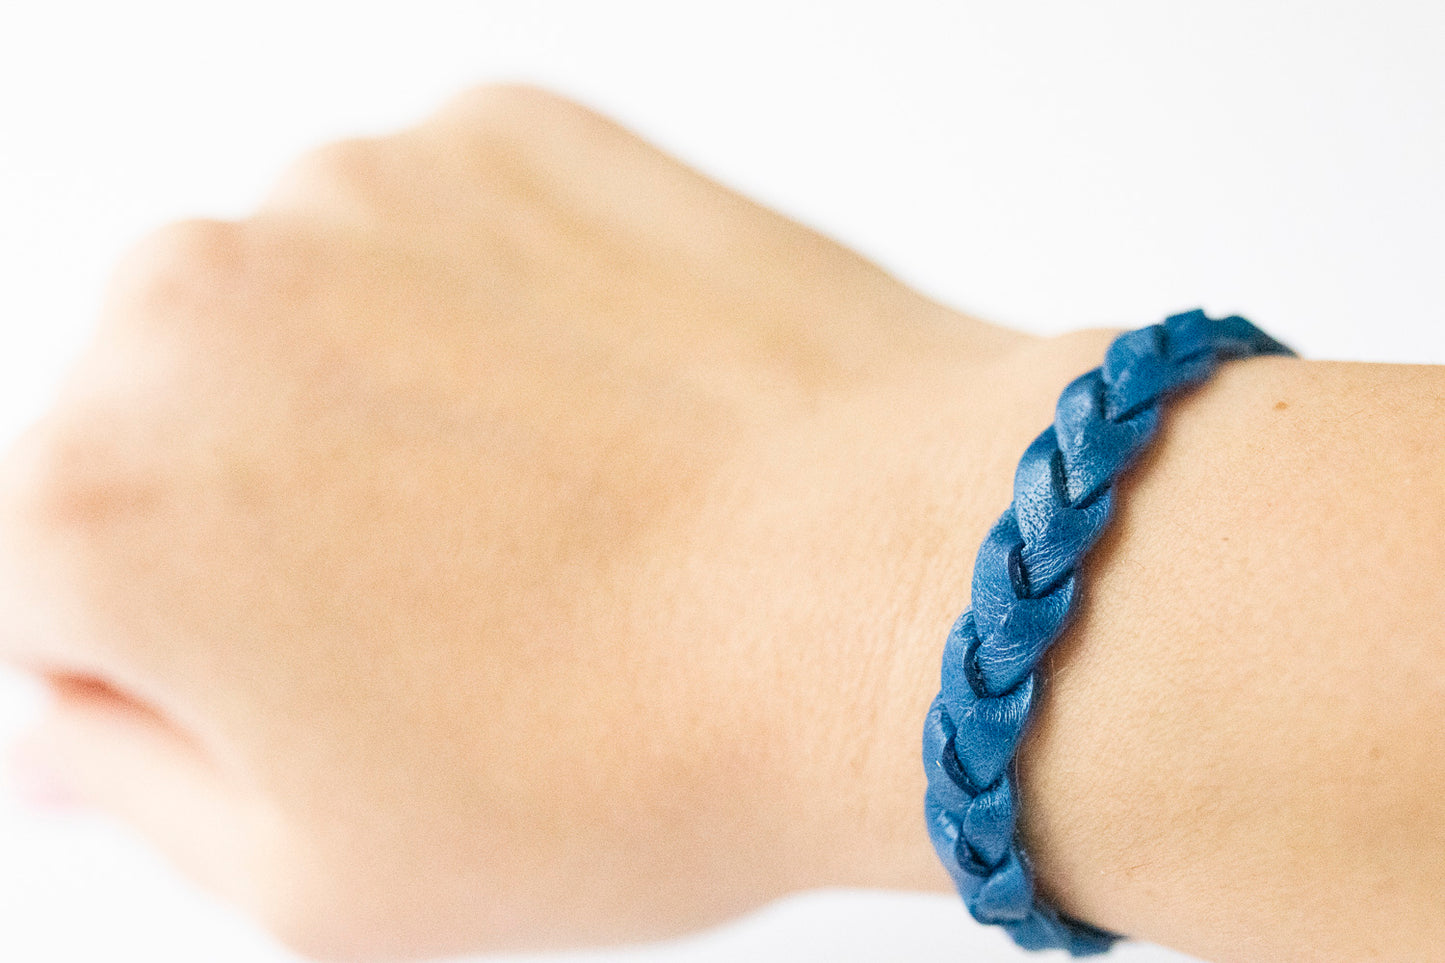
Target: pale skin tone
pixel 509 538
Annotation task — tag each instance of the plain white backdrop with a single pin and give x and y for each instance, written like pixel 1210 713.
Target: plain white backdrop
pixel 1046 165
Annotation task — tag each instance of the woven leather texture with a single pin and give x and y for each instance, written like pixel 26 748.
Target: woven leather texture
pixel 1025 580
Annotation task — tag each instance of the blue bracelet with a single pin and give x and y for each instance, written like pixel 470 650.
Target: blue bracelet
pixel 1024 585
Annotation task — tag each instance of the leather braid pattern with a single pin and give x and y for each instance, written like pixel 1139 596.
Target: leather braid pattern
pixel 1024 586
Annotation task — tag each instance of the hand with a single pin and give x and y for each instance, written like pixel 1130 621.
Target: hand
pixel 507 537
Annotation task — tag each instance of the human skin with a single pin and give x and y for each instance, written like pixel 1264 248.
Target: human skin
pixel 508 538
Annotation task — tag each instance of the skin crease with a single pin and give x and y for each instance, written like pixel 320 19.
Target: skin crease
pixel 508 538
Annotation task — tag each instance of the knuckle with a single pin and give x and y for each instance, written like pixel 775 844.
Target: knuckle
pixel 514 114
pixel 353 172
pixel 176 266
pixel 73 476
pixel 189 247
pixel 496 102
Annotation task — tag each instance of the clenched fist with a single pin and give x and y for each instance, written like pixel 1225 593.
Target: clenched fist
pixel 507 537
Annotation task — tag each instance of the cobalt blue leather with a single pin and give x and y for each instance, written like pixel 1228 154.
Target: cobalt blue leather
pixel 1024 584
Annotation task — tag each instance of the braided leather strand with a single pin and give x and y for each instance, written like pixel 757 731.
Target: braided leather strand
pixel 1024 586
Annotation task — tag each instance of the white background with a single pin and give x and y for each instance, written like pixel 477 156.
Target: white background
pixel 1045 165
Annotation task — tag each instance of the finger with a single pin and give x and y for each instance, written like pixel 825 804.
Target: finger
pixel 99 749
pixel 66 495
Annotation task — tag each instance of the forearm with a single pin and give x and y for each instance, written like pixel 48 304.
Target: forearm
pixel 1237 750
pixel 1240 749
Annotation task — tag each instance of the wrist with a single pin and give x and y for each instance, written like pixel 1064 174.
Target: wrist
pixel 833 562
pixel 946 456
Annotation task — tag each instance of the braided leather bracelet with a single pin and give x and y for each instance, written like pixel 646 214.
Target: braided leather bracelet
pixel 1024 586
